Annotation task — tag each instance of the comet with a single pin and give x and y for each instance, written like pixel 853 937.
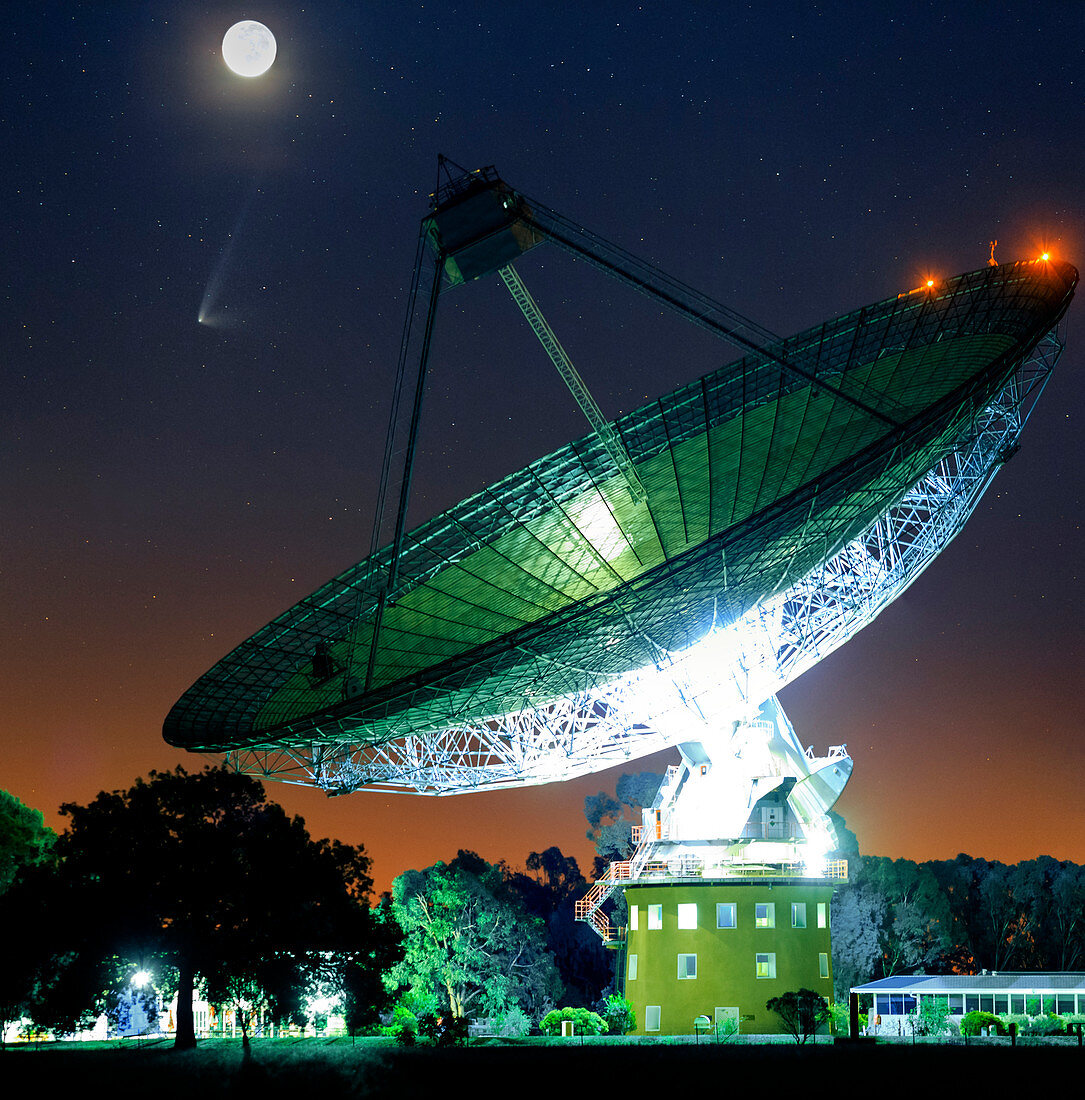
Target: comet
pixel 211 313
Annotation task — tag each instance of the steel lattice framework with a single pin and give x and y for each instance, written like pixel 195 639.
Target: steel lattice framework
pixel 722 679
pixel 752 519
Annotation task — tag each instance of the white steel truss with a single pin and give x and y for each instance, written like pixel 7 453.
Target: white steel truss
pixel 719 681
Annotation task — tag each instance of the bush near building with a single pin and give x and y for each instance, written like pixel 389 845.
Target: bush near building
pixel 972 1023
pixel 585 1022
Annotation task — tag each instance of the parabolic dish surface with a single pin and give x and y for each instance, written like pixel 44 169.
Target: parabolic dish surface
pixel 555 579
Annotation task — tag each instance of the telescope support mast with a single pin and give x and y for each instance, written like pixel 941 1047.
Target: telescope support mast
pixel 571 377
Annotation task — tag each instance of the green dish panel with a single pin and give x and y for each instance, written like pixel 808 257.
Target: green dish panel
pixel 555 578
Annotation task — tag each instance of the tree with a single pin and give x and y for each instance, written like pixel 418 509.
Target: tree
pixel 202 873
pixel 1065 916
pixel 25 839
pixel 847 844
pixel 801 1012
pixel 609 827
pixel 915 934
pixel 470 941
pixel 25 843
pixel 858 914
pixel 550 894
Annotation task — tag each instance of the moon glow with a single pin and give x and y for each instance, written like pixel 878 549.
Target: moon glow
pixel 248 48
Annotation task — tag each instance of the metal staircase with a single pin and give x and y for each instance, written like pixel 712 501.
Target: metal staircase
pixel 622 872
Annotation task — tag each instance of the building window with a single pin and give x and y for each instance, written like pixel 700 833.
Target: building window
pixel 726 914
pixel 631 973
pixel 764 914
pixel 651 1017
pixel 687 914
pixel 634 918
pixel 823 964
pixel 655 916
pixel 766 965
pixel 798 914
pixel 894 1004
pixel 823 914
pixel 687 966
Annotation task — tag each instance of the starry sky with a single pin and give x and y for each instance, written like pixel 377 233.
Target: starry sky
pixel 167 486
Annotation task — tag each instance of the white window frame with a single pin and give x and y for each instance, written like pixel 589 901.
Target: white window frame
pixel 823 914
pixel 652 1014
pixel 769 919
pixel 798 914
pixel 823 964
pixel 770 964
pixel 634 918
pixel 732 907
pixel 655 916
pixel 688 966
pixel 631 972
pixel 687 914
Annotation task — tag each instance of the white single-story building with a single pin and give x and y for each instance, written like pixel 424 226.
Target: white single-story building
pixel 1002 993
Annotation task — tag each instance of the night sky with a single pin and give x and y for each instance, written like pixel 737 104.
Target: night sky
pixel 167 486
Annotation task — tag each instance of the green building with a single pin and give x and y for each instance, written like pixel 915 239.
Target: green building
pixel 721 948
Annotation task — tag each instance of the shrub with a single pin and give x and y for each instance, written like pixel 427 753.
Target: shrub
pixel 932 1017
pixel 619 1015
pixel 1046 1025
pixel 726 1029
pixel 585 1022
pixel 514 1024
pixel 1023 1022
pixel 403 1027
pixel 840 1018
pixel 801 1012
pixel 443 1031
pixel 972 1023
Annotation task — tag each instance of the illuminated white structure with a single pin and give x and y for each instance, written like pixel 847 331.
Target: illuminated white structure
pixel 710 692
pixel 655 583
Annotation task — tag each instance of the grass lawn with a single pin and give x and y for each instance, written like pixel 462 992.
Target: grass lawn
pixel 378 1068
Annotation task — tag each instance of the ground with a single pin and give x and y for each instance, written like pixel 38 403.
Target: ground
pixel 377 1069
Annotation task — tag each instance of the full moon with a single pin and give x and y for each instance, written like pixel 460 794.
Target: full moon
pixel 248 48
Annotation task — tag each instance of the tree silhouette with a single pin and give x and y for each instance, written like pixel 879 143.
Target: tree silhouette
pixel 550 892
pixel 204 874
pixel 25 839
pixel 801 1012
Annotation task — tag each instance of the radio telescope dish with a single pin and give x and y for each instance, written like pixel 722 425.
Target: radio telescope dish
pixel 554 622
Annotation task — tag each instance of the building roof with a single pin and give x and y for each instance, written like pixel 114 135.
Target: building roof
pixel 1002 981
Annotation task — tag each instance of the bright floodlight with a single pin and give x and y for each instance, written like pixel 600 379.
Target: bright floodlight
pixel 248 48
